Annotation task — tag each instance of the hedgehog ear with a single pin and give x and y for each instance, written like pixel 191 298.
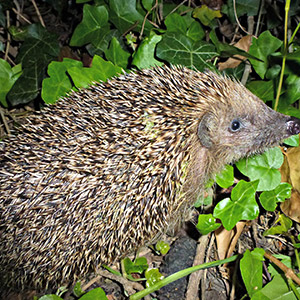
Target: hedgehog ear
pixel 204 130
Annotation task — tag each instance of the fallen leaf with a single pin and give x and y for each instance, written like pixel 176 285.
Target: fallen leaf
pixel 290 172
pixel 232 62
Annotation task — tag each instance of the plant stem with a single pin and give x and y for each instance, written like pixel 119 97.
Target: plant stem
pixel 296 250
pixel 285 51
pixel 294 33
pixel 294 289
pixel 178 275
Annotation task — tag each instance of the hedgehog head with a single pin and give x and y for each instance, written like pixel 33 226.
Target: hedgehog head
pixel 239 124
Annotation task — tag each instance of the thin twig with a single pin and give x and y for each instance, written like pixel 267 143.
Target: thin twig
pixel 186 11
pixel 8 36
pixel 11 61
pixel 154 24
pixel 262 4
pixel 250 29
pixel 21 16
pixel 237 19
pixel 194 279
pixel 16 3
pixel 248 66
pixel 289 273
pixel 129 286
pixel 4 121
pixel 130 28
pixel 38 13
pixel 145 18
pixel 204 277
pixel 176 7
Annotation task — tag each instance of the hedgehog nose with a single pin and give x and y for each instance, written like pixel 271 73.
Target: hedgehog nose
pixel 293 125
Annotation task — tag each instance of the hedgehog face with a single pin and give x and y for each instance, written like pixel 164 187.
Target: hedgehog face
pixel 239 130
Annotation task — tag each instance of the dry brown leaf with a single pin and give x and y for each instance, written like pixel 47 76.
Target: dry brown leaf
pixel 290 172
pixel 243 44
pixel 285 170
pixel 291 207
pixel 293 159
pixel 226 240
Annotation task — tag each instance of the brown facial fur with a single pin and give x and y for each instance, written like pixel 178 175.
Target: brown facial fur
pixel 111 167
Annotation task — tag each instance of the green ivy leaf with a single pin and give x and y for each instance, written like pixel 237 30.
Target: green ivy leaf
pixel 263 167
pixel 8 77
pixel 139 265
pixel 27 86
pixel 292 89
pixel 39 44
pixel 226 178
pixel 58 83
pixel 241 206
pixel 262 48
pixel 116 54
pixel 93 21
pixel 95 294
pixel 101 41
pixel 273 72
pixel 286 225
pixel 101 70
pixel 294 56
pixel 77 290
pixel 176 23
pixel 147 4
pixel 207 223
pixel 162 247
pixel 262 89
pixel 36 52
pixel 269 199
pixel 153 276
pixel 292 140
pixel 50 297
pixel 286 260
pixel 242 7
pixel 277 289
pixel 144 56
pixel 288 110
pixel 251 270
pixel 177 48
pixel 124 15
pixel 195 31
pixel 205 14
pixel 18 33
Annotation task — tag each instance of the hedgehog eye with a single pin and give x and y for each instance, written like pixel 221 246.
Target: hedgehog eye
pixel 235 126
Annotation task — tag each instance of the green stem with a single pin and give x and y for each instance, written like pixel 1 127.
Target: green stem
pixel 296 251
pixel 294 289
pixel 280 83
pixel 287 8
pixel 178 275
pixel 294 33
pixel 285 51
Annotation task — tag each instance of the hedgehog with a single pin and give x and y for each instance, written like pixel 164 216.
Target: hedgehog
pixel 114 166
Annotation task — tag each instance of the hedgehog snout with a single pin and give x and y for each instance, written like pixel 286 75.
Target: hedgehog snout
pixel 293 125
